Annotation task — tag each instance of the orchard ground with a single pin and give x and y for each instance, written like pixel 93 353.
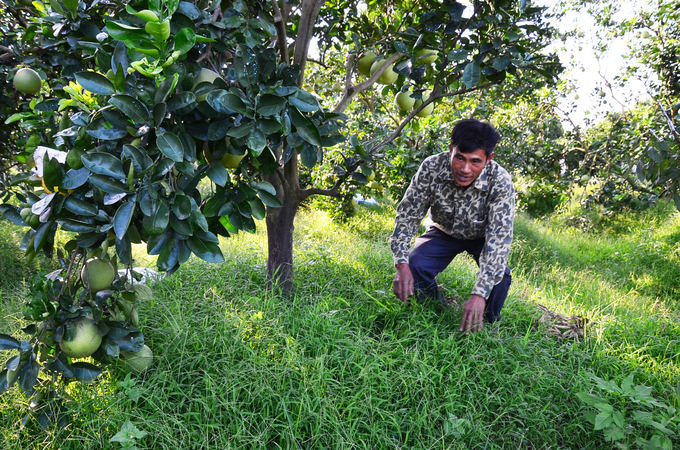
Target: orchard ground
pixel 344 364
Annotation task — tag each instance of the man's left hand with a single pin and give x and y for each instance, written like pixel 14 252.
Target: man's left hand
pixel 473 314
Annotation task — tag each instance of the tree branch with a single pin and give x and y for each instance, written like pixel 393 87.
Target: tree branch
pixel 352 91
pixel 280 25
pixel 309 11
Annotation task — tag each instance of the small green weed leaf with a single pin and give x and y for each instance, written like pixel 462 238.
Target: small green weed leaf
pixel 608 386
pixel 603 420
pixel 605 408
pixel 95 83
pixel 614 433
pixel 618 419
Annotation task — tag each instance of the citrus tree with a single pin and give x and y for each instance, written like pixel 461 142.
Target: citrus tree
pixel 170 123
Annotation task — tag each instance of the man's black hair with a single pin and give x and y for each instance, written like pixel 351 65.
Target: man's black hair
pixel 470 135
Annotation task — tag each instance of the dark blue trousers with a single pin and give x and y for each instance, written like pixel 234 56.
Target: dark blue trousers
pixel 434 251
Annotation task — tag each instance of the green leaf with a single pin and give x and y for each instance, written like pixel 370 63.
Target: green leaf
pixel 170 145
pixel 12 213
pixel 181 100
pixel 80 207
pixel 257 208
pixel 246 66
pixel 264 186
pixel 108 184
pixel 122 218
pixel 131 107
pixel 207 251
pixel 458 54
pixel 308 156
pixel 257 141
pixel 182 207
pixel 472 75
pixel 310 134
pixel 618 419
pixel 166 87
pixel 502 62
pixel 101 129
pixel 269 199
pixel 218 174
pixel 225 102
pixel 159 110
pixel 169 255
pixel 72 7
pixel 29 376
pixel 157 222
pixel 240 131
pixel 8 343
pixel 75 178
pixel 76 226
pixel 603 420
pixel 270 105
pixel 304 101
pixel 83 371
pixel 185 39
pixel 104 164
pixel 95 83
pixel 122 32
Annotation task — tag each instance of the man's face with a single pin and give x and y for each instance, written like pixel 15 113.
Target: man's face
pixel 466 167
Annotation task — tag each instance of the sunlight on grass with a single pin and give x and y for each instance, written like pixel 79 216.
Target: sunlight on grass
pixel 344 364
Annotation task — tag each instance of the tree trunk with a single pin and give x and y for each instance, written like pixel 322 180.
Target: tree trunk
pixel 280 226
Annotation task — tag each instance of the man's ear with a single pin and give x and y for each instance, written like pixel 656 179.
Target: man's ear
pixel 490 157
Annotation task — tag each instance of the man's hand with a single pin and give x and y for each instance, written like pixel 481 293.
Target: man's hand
pixel 473 314
pixel 403 282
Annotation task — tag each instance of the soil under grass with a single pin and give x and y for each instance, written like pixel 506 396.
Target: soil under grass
pixel 345 365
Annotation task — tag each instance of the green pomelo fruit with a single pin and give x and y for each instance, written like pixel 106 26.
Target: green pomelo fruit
pixel 86 340
pixel 388 77
pixel 100 274
pixel 371 176
pixel 426 56
pixel 365 63
pixel 404 100
pixel 426 111
pixel 205 75
pixel 27 81
pixel 231 161
pixel 138 361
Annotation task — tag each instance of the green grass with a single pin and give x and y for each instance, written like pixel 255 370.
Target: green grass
pixel 345 365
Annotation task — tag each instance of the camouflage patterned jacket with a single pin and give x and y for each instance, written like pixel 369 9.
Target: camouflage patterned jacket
pixel 485 209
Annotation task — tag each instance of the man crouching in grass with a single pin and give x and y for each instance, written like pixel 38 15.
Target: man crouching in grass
pixel 472 204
